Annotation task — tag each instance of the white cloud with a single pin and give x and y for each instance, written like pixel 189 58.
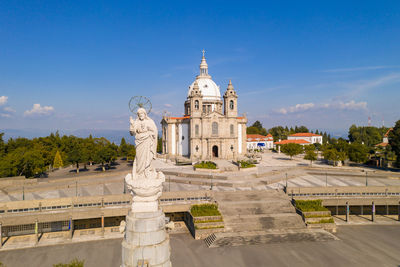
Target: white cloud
pixel 168 105
pixel 360 68
pixel 3 100
pixel 296 108
pixel 4 115
pixel 9 109
pixel 39 110
pixel 351 105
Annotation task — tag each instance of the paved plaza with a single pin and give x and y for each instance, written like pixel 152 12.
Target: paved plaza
pixel 269 174
pixel 357 246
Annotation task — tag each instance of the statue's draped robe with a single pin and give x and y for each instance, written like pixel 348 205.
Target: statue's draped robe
pixel 146 144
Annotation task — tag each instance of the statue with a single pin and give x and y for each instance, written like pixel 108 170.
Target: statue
pixel 145 131
pixel 146 241
pixel 144 183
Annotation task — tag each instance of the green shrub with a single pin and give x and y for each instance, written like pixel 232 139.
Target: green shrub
pixel 246 164
pixel 204 210
pixel 310 205
pixel 316 215
pixel 330 220
pixel 206 165
pixel 73 263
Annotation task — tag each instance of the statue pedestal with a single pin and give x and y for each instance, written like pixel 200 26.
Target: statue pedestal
pixel 146 240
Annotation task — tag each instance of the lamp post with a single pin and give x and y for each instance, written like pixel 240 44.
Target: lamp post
pixel 23 193
pixel 366 178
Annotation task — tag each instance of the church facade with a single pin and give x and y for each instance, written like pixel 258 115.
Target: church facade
pixel 210 127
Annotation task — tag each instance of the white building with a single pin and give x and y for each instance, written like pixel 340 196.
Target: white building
pixel 257 141
pixel 309 137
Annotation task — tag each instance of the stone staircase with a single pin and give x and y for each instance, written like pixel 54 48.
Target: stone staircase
pixel 258 217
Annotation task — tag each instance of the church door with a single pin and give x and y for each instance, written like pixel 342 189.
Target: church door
pixel 215 151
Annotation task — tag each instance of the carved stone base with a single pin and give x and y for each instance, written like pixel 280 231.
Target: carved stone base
pixel 145 191
pixel 146 240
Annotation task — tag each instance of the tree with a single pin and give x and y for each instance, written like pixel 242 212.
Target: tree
pixel 358 152
pixel 159 145
pixel 123 148
pixel 131 153
pixel 256 128
pixel 335 156
pixel 291 149
pixel 311 156
pixel 394 141
pixel 75 152
pixel 105 152
pixel 58 162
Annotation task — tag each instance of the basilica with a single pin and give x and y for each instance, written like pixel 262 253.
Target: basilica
pixel 210 127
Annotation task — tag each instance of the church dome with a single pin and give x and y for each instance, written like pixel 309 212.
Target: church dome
pixel 208 88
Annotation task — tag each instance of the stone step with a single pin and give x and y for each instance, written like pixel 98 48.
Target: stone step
pixel 256 209
pixel 277 221
pixel 227 239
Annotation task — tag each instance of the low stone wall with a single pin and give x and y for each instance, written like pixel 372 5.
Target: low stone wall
pixel 200 228
pixel 311 218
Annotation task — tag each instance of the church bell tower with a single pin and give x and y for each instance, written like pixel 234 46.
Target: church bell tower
pixel 230 101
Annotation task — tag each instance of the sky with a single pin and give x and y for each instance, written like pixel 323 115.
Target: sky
pixel 68 65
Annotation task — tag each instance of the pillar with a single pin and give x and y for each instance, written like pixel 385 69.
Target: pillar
pixel 347 211
pixel 71 228
pixel 102 225
pixel 337 209
pixel 362 209
pixel 398 211
pixel 1 236
pixel 387 209
pixel 36 232
pixel 373 211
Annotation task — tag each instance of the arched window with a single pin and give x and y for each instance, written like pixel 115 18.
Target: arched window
pixel 214 128
pixel 196 104
pixel 232 130
pixel 231 104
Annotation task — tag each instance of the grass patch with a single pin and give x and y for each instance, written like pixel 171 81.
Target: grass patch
pixel 208 227
pixel 204 210
pixel 206 165
pixel 316 215
pixel 330 220
pixel 246 164
pixel 310 205
pixel 208 221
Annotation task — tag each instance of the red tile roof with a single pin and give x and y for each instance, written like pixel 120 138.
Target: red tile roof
pixel 258 137
pixel 382 144
pixel 305 134
pixel 179 118
pixel 387 133
pixel 299 141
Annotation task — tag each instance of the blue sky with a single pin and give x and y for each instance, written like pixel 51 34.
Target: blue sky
pixel 75 64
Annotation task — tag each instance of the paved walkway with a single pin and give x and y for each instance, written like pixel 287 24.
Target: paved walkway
pixel 358 246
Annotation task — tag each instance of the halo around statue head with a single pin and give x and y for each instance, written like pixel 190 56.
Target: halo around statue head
pixel 137 102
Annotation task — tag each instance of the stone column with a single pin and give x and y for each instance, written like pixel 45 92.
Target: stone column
pixel 102 225
pixel 1 236
pixel 398 212
pixel 71 227
pixel 373 212
pixel 347 212
pixel 36 232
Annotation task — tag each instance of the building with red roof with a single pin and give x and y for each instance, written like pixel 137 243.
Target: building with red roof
pixel 311 138
pixel 257 141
